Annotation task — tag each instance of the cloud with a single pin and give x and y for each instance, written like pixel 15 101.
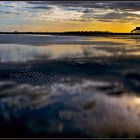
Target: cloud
pixel 84 108
pixel 57 13
pixel 12 92
pixel 127 5
pixel 106 116
pixel 91 10
pixel 46 7
pixel 5 12
pixel 117 16
pixel 44 11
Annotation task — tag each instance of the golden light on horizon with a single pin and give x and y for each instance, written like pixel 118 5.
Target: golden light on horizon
pixel 60 17
pixel 78 26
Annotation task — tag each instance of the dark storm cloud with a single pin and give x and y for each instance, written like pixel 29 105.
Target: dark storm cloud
pixel 128 5
pixel 84 4
pixel 133 5
pixel 108 17
pixel 87 11
pixel 6 12
pixel 114 15
pixel 90 9
pixel 79 10
pixel 9 6
pixel 88 4
pixel 63 3
pixel 45 7
pixel 9 12
pixel 122 16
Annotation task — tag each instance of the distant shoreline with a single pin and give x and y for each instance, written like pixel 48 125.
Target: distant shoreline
pixel 76 33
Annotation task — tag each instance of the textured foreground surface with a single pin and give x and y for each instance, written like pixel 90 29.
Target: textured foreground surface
pixel 69 86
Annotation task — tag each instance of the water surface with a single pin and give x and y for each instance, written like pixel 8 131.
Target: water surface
pixel 67 86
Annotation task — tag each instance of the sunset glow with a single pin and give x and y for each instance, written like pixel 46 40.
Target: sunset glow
pixel 69 16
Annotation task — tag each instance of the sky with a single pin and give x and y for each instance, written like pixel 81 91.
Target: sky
pixel 60 16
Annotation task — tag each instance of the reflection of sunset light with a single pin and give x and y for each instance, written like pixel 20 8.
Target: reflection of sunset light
pixel 137 100
pixel 134 53
pixel 136 12
pixel 114 40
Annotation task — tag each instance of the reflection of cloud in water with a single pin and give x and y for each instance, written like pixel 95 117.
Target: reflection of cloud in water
pixel 65 47
pixel 23 53
pixel 19 53
pixel 21 96
pixel 90 109
pixel 123 40
pixel 109 117
pixel 24 95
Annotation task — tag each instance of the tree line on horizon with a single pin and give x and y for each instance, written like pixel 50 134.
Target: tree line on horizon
pixel 71 33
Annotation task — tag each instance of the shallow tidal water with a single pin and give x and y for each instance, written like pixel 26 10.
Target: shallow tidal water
pixel 67 86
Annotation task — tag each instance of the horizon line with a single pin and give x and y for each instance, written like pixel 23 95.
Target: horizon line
pixel 63 32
